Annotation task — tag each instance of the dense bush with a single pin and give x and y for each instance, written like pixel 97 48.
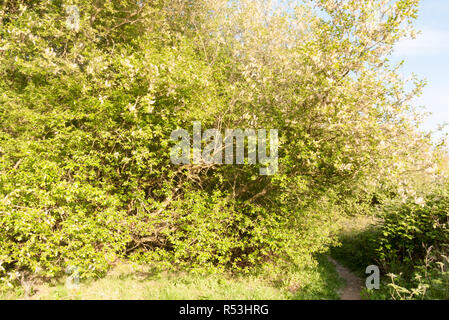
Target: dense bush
pixel 411 227
pixel 414 246
pixel 87 109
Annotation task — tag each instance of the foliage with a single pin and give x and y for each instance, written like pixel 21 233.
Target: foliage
pixel 412 227
pixel 86 112
pixel 414 246
pixel 430 281
pixel 410 244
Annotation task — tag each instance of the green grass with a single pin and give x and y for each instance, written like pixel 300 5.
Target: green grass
pixel 322 282
pixel 126 281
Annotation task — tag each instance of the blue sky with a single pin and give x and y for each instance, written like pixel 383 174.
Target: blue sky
pixel 428 57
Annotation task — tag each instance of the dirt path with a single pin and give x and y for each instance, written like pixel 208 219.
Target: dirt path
pixel 353 283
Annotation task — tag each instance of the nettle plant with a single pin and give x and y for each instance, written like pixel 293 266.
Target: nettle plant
pixel 90 92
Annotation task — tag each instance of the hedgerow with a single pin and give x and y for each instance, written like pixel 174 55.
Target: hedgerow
pixel 87 108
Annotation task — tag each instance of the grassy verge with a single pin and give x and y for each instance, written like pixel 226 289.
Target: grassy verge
pixel 127 281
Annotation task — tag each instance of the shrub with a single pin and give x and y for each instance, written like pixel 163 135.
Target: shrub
pixel 87 109
pixel 413 247
pixel 412 227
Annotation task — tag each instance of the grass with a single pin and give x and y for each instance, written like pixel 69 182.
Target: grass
pixel 127 281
